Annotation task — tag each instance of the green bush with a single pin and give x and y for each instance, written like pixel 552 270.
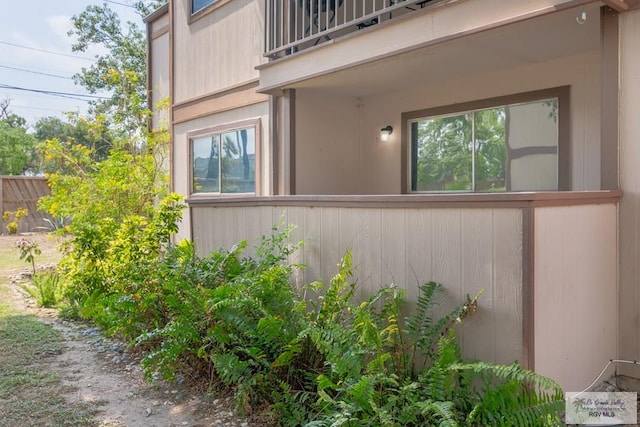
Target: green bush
pixel 103 262
pixel 13 219
pixel 331 360
pixel 46 289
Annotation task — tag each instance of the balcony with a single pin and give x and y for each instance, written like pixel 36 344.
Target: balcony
pixel 349 49
pixel 295 25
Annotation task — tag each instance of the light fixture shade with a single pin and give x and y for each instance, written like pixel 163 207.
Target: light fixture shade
pixel 385 132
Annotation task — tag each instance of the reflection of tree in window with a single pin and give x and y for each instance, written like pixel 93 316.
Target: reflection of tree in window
pixel 510 147
pixel 212 167
pixel 245 156
pixel 230 150
pixel 461 152
pixel 490 154
pixel 444 154
pixel 224 162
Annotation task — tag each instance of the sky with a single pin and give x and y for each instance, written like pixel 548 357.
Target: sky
pixel 36 55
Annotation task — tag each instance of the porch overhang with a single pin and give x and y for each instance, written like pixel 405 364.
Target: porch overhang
pixel 443 41
pixel 617 5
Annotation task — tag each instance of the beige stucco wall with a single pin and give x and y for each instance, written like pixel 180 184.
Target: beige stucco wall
pixel 575 292
pixel 218 50
pixel 355 152
pixel 181 155
pixel 327 148
pixel 629 140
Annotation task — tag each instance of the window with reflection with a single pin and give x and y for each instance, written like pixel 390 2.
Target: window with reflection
pixel 512 147
pixel 224 162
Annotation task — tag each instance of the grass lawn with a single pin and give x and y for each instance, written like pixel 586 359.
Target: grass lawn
pixel 30 392
pixel 10 255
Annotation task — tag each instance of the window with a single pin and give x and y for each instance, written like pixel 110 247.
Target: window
pixel 223 159
pixel 504 144
pixel 197 5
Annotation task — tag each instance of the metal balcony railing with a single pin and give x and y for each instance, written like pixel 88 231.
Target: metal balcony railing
pixel 294 25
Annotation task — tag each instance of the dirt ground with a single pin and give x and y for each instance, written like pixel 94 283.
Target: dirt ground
pixel 102 372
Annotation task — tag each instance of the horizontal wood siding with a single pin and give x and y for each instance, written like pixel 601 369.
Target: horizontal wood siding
pixel 465 249
pixel 218 50
pixel 23 192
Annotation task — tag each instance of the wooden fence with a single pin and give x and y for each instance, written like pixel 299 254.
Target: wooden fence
pixel 23 192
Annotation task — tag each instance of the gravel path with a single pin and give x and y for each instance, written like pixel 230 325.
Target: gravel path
pixel 101 371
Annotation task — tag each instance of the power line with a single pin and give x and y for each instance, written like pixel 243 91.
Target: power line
pixel 34 72
pixel 52 52
pixel 118 3
pixel 76 96
pixel 13 107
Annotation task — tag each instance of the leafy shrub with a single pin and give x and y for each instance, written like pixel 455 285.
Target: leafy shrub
pixel 13 219
pixel 46 289
pixel 372 375
pixel 118 203
pixel 329 361
pixel 224 312
pixel 237 322
pixel 115 259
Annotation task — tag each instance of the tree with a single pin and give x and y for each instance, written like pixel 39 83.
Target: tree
pixel 100 201
pixel 16 145
pixel 107 197
pixel 77 130
pixel 122 71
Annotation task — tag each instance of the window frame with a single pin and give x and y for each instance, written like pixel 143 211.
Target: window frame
pixel 195 15
pixel 220 129
pixel 562 93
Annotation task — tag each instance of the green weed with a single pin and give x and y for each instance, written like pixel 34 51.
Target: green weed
pixel 46 289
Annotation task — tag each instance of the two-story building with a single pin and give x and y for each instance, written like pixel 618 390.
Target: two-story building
pixel 483 144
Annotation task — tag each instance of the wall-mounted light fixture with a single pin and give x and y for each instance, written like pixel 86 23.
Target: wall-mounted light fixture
pixel 385 132
pixel 581 18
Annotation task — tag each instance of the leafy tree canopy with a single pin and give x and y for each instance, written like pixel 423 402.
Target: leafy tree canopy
pixel 16 145
pixel 122 71
pixel 77 130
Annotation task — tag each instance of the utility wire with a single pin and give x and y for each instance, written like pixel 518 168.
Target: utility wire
pixel 118 3
pixel 34 72
pixel 17 107
pixel 52 52
pixel 77 96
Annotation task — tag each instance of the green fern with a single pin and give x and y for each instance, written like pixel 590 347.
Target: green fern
pixel 423 331
pixel 512 395
pixel 336 301
pixel 445 414
pixel 440 380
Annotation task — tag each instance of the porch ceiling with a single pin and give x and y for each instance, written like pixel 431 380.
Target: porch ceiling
pixel 535 40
